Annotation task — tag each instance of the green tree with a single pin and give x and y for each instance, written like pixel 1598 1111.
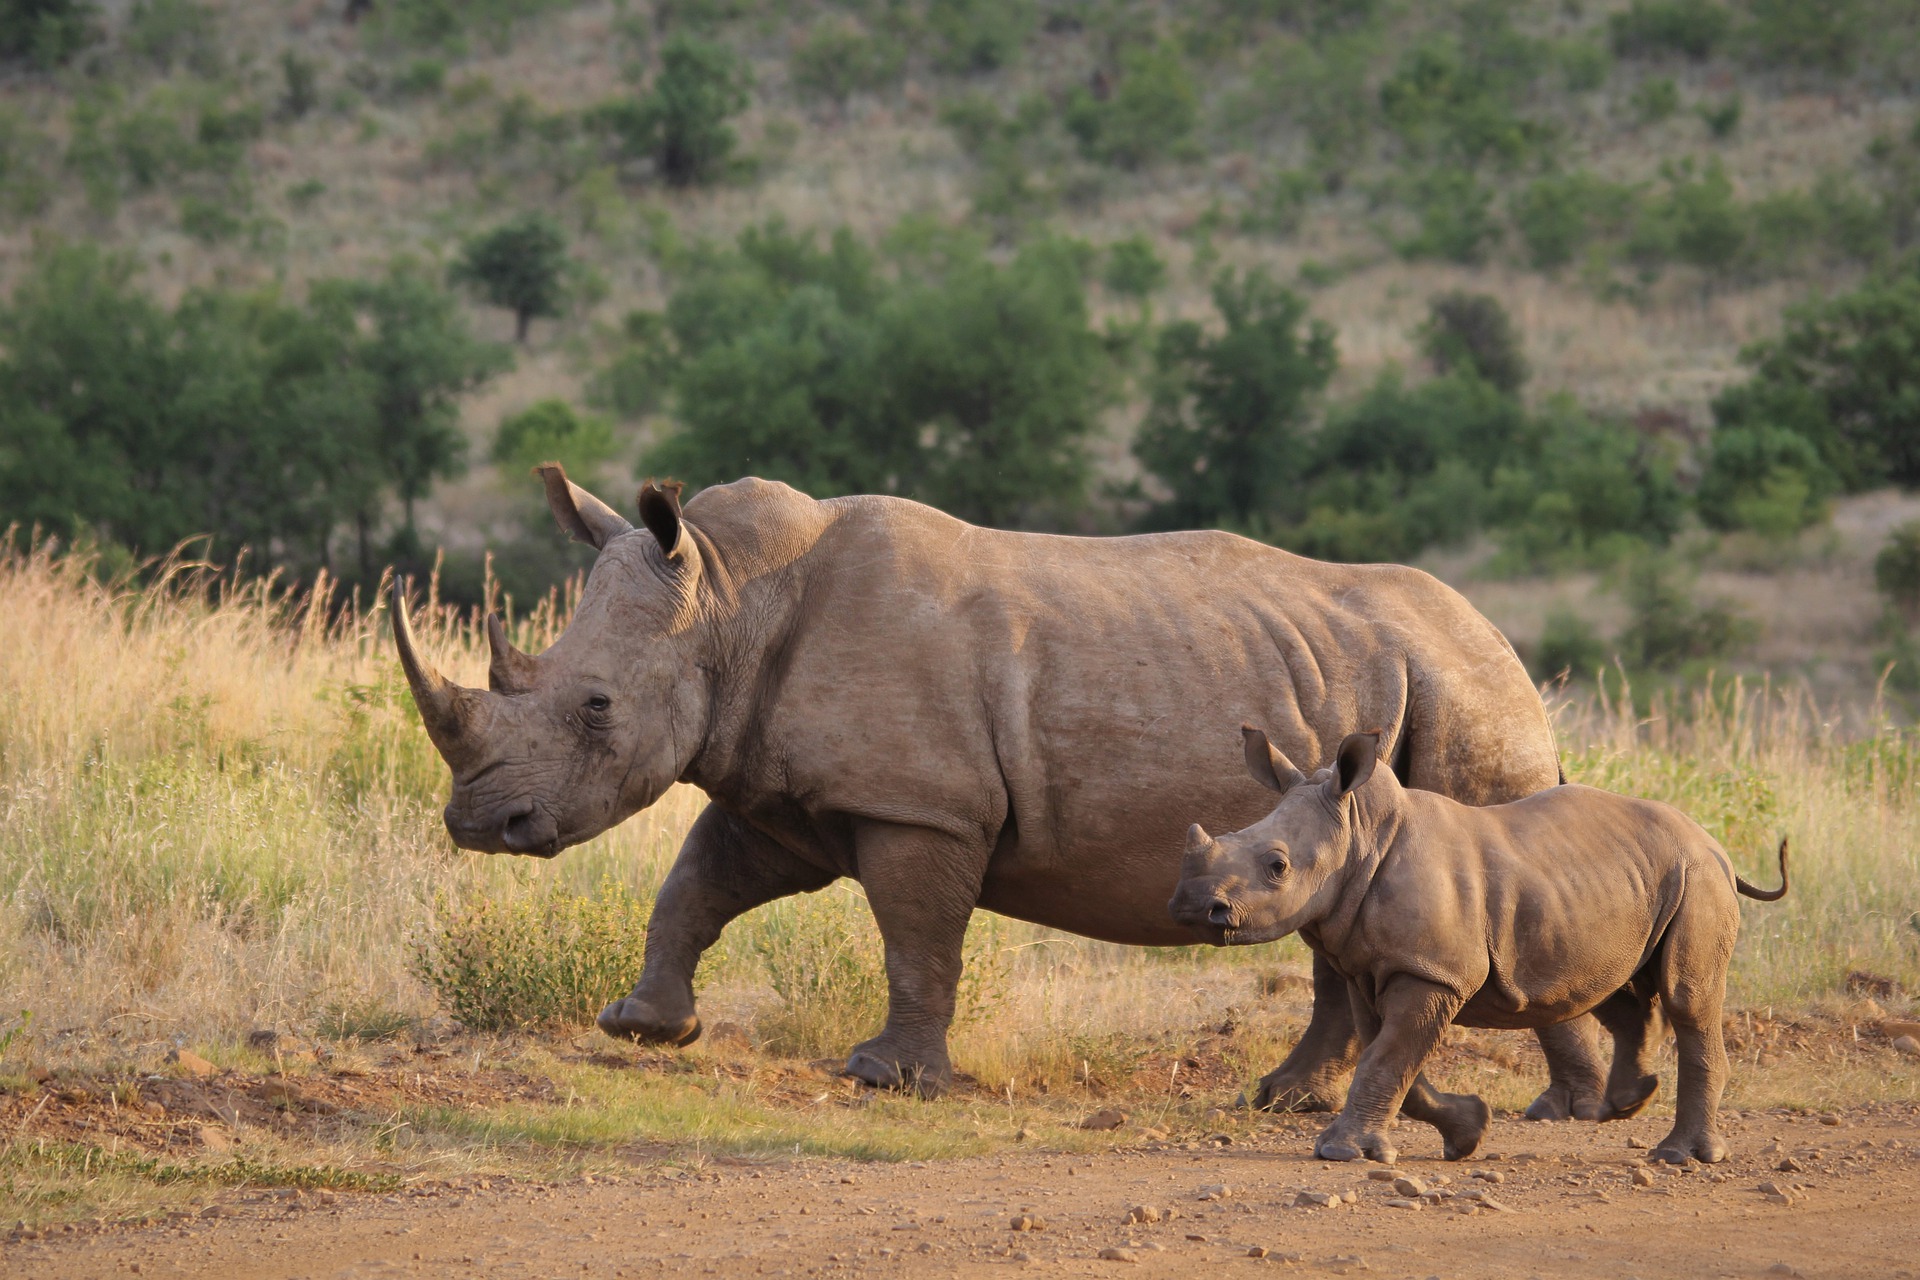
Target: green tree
pixel 1150 113
pixel 1225 430
pixel 680 125
pixel 1763 478
pixel 1896 569
pixel 552 431
pixel 47 32
pixel 520 266
pixel 1472 333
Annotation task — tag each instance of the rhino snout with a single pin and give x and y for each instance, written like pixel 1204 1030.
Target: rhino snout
pixel 530 829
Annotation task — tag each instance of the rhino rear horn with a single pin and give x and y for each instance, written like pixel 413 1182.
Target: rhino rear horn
pixel 508 670
pixel 1269 767
pixel 445 707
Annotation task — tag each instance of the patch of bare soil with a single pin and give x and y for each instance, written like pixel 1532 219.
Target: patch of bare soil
pixel 1804 1195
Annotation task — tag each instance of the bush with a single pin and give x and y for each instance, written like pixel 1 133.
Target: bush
pixel 1455 100
pixel 1722 118
pixel 1280 201
pixel 163 32
pixel 1766 479
pixel 552 959
pixel 1225 429
pixel 1150 113
pixel 301 76
pixel 1669 628
pixel 978 35
pixel 47 32
pixel 1810 35
pixel 1696 220
pixel 1571 646
pixel 1456 218
pixel 1133 269
pixel 551 431
pixel 520 266
pixel 1896 569
pixel 1651 28
pixel 1656 98
pixel 680 125
pixel 1558 216
pixel 1471 333
pixel 837 59
pixel 634 382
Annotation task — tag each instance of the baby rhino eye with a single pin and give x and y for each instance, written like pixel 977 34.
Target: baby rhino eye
pixel 1276 865
pixel 598 703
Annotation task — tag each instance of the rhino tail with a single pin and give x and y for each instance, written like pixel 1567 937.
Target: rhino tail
pixel 1767 895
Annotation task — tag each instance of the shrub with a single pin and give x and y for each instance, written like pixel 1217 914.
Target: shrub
pixel 1896 569
pixel 1723 117
pixel 1456 218
pixel 837 59
pixel 1133 269
pixel 550 959
pixel 1585 64
pixel 163 32
pixel 47 32
pixel 635 381
pixel 1455 100
pixel 1471 333
pixel 1811 35
pixel 1764 478
pixel 1558 216
pixel 1569 645
pixel 551 431
pixel 1150 113
pixel 1697 220
pixel 1224 431
pixel 301 93
pixel 1656 98
pixel 1651 28
pixel 520 266
pixel 1280 201
pixel 1669 627
pixel 680 125
pixel 978 35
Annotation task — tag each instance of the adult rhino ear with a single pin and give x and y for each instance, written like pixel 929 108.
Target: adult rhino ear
pixel 581 514
pixel 1353 762
pixel 1268 766
pixel 660 512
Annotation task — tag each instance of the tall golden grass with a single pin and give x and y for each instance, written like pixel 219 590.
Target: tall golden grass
pixel 218 812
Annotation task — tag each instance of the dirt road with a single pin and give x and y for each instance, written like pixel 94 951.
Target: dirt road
pixel 1564 1202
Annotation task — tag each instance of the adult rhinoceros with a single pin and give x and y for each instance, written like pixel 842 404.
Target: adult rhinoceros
pixel 958 718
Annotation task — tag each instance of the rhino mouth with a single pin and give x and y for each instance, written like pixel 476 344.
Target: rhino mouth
pixel 532 833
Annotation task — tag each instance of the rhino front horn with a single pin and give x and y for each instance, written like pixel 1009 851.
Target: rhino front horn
pixel 445 708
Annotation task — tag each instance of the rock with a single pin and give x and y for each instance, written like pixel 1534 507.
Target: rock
pixel 1115 1254
pixel 1642 1178
pixel 1489 1175
pixel 1219 1191
pixel 216 1140
pixel 1789 1165
pixel 1196 1238
pixel 1153 1135
pixel 1636 1144
pixel 190 1063
pixel 262 1039
pixel 1408 1185
pixel 1783 1269
pixel 1401 1202
pixel 1830 1120
pixel 1349 1196
pixel 1027 1222
pixel 1909 1045
pixel 1314 1200
pixel 1383 1175
pixel 1258 1251
pixel 1146 1213
pixel 1020 1135
pixel 1105 1118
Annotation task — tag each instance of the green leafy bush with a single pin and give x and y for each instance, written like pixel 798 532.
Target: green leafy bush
pixel 1696 219
pixel 550 959
pixel 165 32
pixel 838 58
pixel 1456 99
pixel 1558 216
pixel 1472 333
pixel 1569 645
pixel 1763 478
pixel 1133 269
pixel 1456 218
pixel 552 431
pixel 1652 28
pixel 47 32
pixel 1811 35
pixel 1149 114
pixel 635 381
pixel 680 124
pixel 1656 98
pixel 520 266
pixel 1669 627
pixel 1896 569
pixel 1722 118
pixel 978 35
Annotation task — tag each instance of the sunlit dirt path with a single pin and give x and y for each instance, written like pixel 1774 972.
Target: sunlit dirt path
pixel 1566 1203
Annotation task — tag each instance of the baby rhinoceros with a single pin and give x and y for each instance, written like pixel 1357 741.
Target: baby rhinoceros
pixel 1515 915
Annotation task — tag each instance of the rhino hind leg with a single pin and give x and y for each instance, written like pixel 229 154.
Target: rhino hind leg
pixel 1575 1088
pixel 1631 1017
pixel 1693 986
pixel 1313 1076
pixel 1461 1118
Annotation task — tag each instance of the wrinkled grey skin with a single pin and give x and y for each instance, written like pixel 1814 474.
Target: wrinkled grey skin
pixel 958 718
pixel 1517 915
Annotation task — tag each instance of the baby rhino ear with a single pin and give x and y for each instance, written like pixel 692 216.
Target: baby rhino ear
pixel 1268 766
pixel 1353 762
pixel 660 512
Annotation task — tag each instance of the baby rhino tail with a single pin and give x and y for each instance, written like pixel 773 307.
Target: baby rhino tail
pixel 1767 895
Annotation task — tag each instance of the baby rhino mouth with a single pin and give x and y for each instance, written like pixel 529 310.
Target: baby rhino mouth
pixel 531 831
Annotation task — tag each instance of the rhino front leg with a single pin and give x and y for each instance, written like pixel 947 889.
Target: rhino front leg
pixel 922 886
pixel 725 868
pixel 1400 1029
pixel 1311 1077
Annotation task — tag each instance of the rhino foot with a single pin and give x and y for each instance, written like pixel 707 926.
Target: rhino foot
pixel 1285 1090
pixel 1463 1123
pixel 634 1019
pixel 1625 1103
pixel 1678 1148
pixel 884 1067
pixel 1338 1144
pixel 1558 1102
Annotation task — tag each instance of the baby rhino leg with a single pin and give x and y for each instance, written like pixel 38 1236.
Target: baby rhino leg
pixel 1629 1015
pixel 1398 1032
pixel 1693 986
pixel 1461 1118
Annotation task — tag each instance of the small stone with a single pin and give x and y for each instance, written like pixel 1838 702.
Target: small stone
pixel 1196 1238
pixel 326 1197
pixel 262 1039
pixel 1219 1191
pixel 191 1063
pixel 1636 1144
pixel 1144 1213
pixel 1382 1175
pixel 1642 1178
pixel 1783 1269
pixel 1114 1253
pixel 1153 1135
pixel 1349 1196
pixel 1789 1165
pixel 1489 1175
pixel 1401 1202
pixel 1909 1045
pixel 1258 1251
pixel 1314 1200
pixel 214 1211
pixel 216 1140
pixel 1027 1222
pixel 1408 1185
pixel 1105 1118
pixel 1019 1135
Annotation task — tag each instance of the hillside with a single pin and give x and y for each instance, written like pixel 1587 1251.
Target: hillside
pixel 1644 188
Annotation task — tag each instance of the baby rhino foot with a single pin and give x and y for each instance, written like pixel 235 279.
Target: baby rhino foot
pixel 1558 1102
pixel 1339 1144
pixel 1626 1101
pixel 1678 1148
pixel 1462 1123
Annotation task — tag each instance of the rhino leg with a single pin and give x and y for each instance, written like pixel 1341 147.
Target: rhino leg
pixel 1461 1118
pixel 1310 1079
pixel 1629 1015
pixel 1574 1079
pixel 1399 1030
pixel 725 868
pixel 922 886
pixel 1693 986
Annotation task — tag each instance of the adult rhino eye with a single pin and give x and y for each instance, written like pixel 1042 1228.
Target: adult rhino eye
pixel 599 703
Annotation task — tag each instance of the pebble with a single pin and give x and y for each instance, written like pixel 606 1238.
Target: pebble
pixel 1258 1251
pixel 1401 1202
pixel 1385 1175
pixel 1144 1213
pixel 1219 1191
pixel 1116 1254
pixel 1105 1118
pixel 1907 1045
pixel 1783 1269
pixel 1642 1178
pixel 1315 1200
pixel 1789 1165
pixel 191 1063
pixel 213 1139
pixel 1636 1144
pixel 1027 1222
pixel 1489 1175
pixel 1407 1185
